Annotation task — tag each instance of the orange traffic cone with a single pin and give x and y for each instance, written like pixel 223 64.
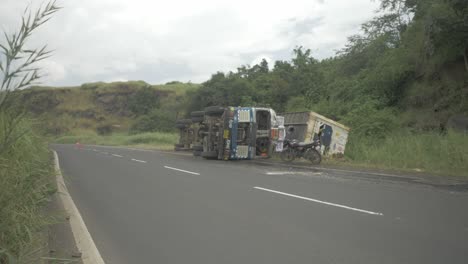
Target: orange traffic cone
pixel 78 145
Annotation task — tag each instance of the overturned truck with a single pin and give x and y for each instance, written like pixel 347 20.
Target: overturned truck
pixel 230 133
pixel 309 126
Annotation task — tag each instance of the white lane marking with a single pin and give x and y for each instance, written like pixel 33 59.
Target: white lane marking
pixel 194 173
pixel 142 161
pixel 280 173
pixel 318 201
pixel 292 173
pixel 116 155
pixel 94 149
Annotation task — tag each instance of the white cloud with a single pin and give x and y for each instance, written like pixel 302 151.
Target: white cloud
pixel 184 40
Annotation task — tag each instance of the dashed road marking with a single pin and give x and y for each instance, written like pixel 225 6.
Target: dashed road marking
pixel 318 201
pixel 292 173
pixel 116 155
pixel 190 172
pixel 142 161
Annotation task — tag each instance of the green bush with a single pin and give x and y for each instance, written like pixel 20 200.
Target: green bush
pixel 104 129
pixel 143 101
pixel 368 121
pixel 157 120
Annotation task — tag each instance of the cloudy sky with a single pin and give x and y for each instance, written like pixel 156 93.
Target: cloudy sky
pixel 160 41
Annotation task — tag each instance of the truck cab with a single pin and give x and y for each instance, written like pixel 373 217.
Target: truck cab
pixel 237 133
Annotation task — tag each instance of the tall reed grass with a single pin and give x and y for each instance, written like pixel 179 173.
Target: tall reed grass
pixel 431 152
pixel 26 183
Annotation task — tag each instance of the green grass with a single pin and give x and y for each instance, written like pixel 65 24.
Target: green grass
pixel 26 183
pixel 156 140
pixel 178 88
pixel 429 152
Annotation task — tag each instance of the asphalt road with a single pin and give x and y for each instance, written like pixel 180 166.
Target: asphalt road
pixel 158 207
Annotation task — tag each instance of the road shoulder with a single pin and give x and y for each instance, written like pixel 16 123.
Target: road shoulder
pixel 69 238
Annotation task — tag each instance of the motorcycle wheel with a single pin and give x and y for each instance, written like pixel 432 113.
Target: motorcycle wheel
pixel 288 155
pixel 313 156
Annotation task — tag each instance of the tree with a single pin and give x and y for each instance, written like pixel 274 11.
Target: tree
pixel 447 29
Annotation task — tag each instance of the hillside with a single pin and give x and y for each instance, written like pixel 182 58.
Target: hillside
pixel 102 107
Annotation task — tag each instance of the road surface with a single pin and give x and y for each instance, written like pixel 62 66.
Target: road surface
pixel 159 207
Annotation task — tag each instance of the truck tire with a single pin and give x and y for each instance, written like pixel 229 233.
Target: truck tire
pixel 214 110
pixel 197 148
pixel 209 154
pixel 180 126
pixel 184 121
pixel 197 119
pixel 177 149
pixel 197 113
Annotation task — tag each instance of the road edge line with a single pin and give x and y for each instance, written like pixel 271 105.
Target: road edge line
pixel 83 239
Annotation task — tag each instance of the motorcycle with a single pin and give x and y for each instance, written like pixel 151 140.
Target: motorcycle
pixel 293 149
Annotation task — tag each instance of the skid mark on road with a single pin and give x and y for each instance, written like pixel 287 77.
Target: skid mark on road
pixel 190 172
pixel 318 201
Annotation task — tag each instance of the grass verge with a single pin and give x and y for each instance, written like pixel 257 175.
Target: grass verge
pixel 156 140
pixel 26 184
pixel 430 152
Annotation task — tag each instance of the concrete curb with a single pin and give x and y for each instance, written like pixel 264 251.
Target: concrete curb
pixel 83 239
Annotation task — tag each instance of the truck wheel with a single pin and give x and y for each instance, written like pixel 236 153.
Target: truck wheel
pixel 177 149
pixel 180 126
pixel 197 119
pixel 214 110
pixel 197 148
pixel 184 121
pixel 210 154
pixel 197 113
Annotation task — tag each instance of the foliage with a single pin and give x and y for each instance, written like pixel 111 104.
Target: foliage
pixel 157 120
pixel 379 74
pixel 368 121
pixel 17 68
pixel 429 151
pixel 17 63
pixel 26 175
pixel 143 101
pixel 25 165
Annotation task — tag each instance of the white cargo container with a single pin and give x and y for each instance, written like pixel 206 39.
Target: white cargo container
pixel 305 127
